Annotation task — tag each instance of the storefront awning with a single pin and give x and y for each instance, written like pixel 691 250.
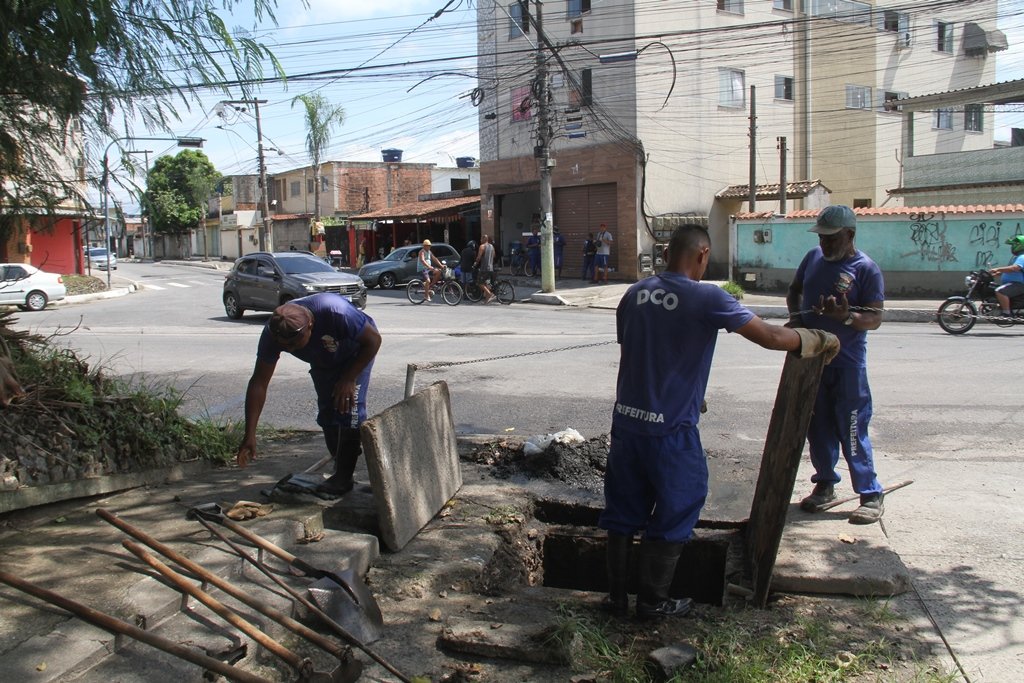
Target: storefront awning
pixel 426 210
pixel 979 42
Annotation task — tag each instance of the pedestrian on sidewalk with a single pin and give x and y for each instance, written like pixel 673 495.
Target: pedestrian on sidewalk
pixel 485 265
pixel 533 252
pixel 656 479
pixel 559 244
pixel 839 289
pixel 589 251
pixel 604 250
pixel 340 343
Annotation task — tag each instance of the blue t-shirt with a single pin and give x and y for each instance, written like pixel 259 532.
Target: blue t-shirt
pixel 860 279
pixel 1013 275
pixel 667 326
pixel 334 343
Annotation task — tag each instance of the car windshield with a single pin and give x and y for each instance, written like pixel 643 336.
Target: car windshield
pixel 98 251
pixel 298 264
pixel 397 255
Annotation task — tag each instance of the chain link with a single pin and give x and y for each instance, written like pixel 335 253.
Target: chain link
pixel 452 363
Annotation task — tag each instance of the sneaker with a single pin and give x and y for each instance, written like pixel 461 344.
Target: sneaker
pixel 870 510
pixel 822 494
pixel 665 608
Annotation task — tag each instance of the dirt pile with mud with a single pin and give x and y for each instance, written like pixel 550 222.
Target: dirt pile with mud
pixel 578 465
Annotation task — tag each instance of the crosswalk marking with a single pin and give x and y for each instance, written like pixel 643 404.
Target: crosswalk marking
pixel 177 284
pixel 149 286
pixel 201 284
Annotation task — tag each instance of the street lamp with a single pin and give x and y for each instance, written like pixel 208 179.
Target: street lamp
pixel 182 142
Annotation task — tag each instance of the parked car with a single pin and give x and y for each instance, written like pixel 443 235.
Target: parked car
pixel 399 266
pixel 98 257
pixel 29 288
pixel 262 281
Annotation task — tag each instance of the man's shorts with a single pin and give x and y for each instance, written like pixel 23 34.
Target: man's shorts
pixel 600 260
pixel 485 277
pixel 1011 289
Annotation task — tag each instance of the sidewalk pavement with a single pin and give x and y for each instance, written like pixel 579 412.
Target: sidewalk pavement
pixel 580 293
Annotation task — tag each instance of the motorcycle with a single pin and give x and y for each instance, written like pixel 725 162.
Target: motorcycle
pixel 957 314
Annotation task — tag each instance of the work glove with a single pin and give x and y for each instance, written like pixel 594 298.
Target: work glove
pixel 817 343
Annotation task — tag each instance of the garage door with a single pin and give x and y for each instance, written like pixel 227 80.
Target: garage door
pixel 579 211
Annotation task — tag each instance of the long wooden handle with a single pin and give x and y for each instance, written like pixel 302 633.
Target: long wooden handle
pixel 258 540
pixel 112 625
pixel 836 503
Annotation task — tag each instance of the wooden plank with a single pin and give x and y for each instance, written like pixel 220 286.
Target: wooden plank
pixel 783 447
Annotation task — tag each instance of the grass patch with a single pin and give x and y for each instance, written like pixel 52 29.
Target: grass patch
pixel 733 288
pixel 750 646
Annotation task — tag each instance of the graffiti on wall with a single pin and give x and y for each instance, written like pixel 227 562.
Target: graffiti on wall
pixel 928 235
pixel 987 238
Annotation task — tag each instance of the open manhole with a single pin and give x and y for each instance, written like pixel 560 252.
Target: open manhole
pixel 573 554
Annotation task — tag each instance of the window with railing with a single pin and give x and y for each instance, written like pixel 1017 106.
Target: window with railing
pixel 974 118
pixel 520 19
pixel 943 119
pixel 576 8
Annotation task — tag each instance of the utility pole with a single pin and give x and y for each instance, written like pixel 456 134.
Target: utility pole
pixel 752 198
pixel 265 231
pixel 148 251
pixel 782 175
pixel 544 159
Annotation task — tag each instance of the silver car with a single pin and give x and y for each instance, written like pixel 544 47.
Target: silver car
pixel 262 281
pixel 98 257
pixel 29 288
pixel 399 266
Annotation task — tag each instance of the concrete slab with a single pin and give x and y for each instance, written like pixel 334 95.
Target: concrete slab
pixel 413 462
pixel 824 553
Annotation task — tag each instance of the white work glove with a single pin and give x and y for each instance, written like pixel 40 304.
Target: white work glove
pixel 817 343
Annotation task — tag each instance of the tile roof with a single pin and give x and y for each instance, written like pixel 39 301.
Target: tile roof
pixel 795 190
pixel 424 209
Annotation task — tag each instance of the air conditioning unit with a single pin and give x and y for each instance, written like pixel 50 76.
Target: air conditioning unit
pixel 903 40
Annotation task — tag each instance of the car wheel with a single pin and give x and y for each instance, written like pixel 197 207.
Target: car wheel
pixel 387 281
pixel 35 301
pixel 232 306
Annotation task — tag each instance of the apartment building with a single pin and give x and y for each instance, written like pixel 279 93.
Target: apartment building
pixel 651 107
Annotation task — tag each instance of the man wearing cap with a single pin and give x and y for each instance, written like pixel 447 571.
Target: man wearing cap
pixel 429 267
pixel 339 342
pixel 839 289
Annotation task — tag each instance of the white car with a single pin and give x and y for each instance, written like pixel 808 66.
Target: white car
pixel 100 258
pixel 29 288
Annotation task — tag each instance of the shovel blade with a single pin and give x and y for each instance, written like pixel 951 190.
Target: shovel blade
pixel 358 615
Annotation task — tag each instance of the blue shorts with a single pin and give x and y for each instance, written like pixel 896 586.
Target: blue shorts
pixel 655 484
pixel 324 381
pixel 600 260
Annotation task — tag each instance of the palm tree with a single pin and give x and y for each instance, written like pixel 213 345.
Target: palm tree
pixel 321 117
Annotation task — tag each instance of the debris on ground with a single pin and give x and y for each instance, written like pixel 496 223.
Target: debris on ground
pixel 569 458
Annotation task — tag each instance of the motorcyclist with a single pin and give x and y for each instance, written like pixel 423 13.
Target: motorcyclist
pixel 1012 275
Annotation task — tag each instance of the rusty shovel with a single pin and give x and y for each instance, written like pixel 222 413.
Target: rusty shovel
pixel 351 603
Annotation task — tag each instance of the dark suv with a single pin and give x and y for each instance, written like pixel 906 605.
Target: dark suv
pixel 262 281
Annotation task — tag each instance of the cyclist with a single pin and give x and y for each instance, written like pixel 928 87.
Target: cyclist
pixel 430 268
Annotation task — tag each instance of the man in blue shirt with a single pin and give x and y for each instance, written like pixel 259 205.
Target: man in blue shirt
pixel 1011 282
pixel 340 343
pixel 657 477
pixel 839 289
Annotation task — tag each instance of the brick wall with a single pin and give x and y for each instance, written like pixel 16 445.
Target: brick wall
pixel 379 185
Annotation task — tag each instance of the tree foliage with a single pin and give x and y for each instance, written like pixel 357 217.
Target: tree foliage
pixel 178 188
pixel 92 64
pixel 321 117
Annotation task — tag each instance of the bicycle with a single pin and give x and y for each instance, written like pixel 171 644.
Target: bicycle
pixel 451 290
pixel 503 290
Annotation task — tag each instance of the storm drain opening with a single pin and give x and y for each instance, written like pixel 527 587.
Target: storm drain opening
pixel 573 554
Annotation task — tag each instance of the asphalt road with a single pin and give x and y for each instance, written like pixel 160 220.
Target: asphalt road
pixel 947 413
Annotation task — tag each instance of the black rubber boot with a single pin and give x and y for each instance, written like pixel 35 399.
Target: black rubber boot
pixel 345 446
pixel 620 548
pixel 657 569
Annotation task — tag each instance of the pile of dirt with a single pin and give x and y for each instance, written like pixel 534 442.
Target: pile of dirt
pixel 578 465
